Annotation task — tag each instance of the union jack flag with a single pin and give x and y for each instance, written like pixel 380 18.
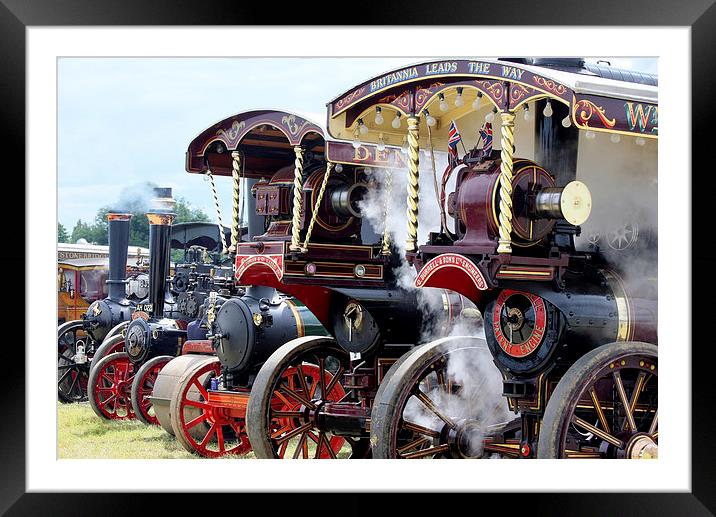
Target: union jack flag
pixel 486 135
pixel 453 139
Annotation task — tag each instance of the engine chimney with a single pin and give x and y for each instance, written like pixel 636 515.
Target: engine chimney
pixel 118 226
pixel 160 215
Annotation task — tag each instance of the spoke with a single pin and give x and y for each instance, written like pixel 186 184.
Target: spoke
pixel 201 389
pixel 420 429
pixel 598 409
pixel 285 414
pixel 74 381
pixel 344 397
pixel 108 379
pixel 334 380
pixel 288 391
pixel 109 399
pixel 295 432
pixel 322 379
pixel 312 437
pixel 427 452
pixel 440 374
pixel 641 381
pixel 582 454
pixel 63 376
pixel 282 449
pixel 302 379
pixel 282 398
pixel 429 404
pixel 654 424
pixel 220 436
pixel 331 452
pixel 196 421
pixel 415 443
pixel 321 437
pixel 624 401
pixel 209 434
pixel 299 447
pixel 598 432
pixel 279 432
pixel 196 403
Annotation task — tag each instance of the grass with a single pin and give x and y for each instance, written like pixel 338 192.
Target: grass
pixel 82 434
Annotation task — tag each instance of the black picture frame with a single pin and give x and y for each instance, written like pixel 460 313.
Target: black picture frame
pixel 699 15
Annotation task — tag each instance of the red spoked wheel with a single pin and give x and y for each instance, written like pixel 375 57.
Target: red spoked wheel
pixel 142 389
pixel 202 428
pixel 110 387
pixel 288 406
pixel 285 411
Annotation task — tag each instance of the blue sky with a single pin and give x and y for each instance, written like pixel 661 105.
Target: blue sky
pixel 124 121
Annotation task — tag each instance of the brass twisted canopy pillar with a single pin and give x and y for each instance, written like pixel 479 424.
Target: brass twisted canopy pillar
pixel 236 174
pixel 385 250
pixel 507 141
pixel 319 198
pixel 411 244
pixel 297 200
pixel 222 236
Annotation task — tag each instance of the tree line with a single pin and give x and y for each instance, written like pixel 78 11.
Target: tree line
pixel 96 232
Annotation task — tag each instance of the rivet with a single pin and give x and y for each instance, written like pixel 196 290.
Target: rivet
pixel 611 365
pixel 641 363
pixel 623 363
pixel 652 367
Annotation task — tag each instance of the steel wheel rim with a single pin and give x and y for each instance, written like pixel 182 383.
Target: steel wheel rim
pixel 628 410
pixel 442 414
pixel 112 391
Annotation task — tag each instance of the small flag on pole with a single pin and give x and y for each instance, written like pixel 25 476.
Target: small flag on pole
pixel 453 139
pixel 486 135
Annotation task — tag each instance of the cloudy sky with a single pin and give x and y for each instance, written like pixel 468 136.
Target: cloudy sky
pixel 124 121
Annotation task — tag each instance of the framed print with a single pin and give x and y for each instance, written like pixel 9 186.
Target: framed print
pixel 273 298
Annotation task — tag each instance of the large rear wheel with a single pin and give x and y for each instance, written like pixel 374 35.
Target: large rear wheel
pixel 292 386
pixel 605 406
pixel 440 400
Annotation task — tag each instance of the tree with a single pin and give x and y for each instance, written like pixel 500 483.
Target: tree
pixel 62 235
pixel 137 205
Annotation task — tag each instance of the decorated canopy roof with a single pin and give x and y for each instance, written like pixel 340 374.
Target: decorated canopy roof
pixel 595 103
pixel 265 139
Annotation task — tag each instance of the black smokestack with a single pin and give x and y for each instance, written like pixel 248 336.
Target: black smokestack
pixel 160 216
pixel 118 224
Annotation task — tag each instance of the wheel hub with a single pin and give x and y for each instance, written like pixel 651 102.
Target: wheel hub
pixel 466 438
pixel 642 447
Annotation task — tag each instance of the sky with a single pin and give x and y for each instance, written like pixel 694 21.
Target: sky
pixel 125 121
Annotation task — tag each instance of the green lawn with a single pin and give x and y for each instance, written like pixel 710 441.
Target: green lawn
pixel 82 434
